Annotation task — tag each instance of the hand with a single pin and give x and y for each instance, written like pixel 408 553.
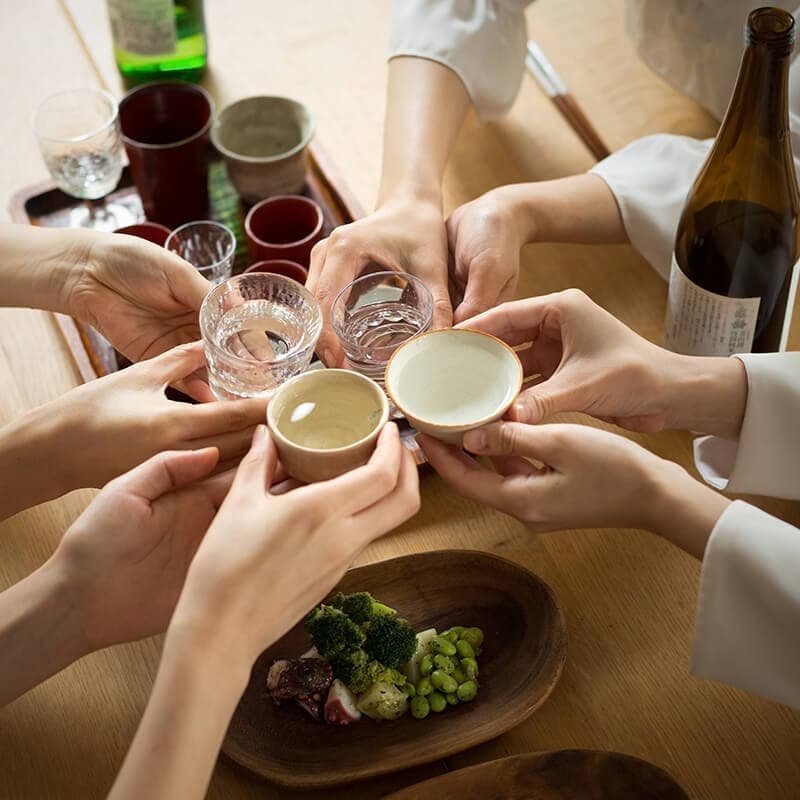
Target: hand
pixel 588 479
pixel 127 555
pixel 485 238
pixel 404 235
pixel 108 426
pixel 595 364
pixel 269 558
pixel 141 297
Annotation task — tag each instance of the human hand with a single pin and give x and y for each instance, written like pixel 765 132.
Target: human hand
pixel 125 558
pixel 595 364
pixel 107 426
pixel 269 558
pixel 141 297
pixel 589 478
pixel 403 235
pixel 485 238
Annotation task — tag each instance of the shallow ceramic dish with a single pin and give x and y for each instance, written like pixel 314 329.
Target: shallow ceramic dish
pixel 447 382
pixel 326 422
pixel 558 775
pixel 263 141
pixel 523 655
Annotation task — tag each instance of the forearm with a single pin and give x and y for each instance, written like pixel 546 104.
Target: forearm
pixel 40 631
pixel 38 265
pixel 425 105
pixel 31 469
pixel 176 746
pixel 578 209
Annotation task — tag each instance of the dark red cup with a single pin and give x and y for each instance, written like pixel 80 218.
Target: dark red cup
pixel 152 231
pixel 285 227
pixel 165 127
pixel 280 266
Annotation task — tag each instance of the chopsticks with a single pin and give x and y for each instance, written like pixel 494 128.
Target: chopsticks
pixel 555 88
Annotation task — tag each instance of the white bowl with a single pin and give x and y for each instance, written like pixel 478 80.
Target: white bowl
pixel 447 382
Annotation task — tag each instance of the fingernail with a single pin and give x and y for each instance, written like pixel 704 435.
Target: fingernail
pixel 260 433
pixel 521 413
pixel 475 441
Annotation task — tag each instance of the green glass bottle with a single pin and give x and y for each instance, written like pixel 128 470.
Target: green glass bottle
pixel 158 39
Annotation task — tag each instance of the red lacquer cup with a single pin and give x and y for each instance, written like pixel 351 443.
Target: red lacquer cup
pixel 281 266
pixel 285 227
pixel 152 231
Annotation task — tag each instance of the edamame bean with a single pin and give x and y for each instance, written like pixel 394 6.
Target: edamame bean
pixel 472 635
pixel 451 636
pixel 470 668
pixel 424 687
pixel 444 663
pixel 410 690
pixel 437 702
pixel 458 629
pixel 467 691
pixel 452 699
pixel 464 649
pixel 441 680
pixel 420 707
pixel 426 664
pixel 459 675
pixel 443 646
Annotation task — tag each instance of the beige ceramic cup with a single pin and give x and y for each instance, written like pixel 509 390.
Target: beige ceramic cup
pixel 326 422
pixel 263 141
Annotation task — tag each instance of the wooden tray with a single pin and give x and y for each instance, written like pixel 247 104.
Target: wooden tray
pixel 46 205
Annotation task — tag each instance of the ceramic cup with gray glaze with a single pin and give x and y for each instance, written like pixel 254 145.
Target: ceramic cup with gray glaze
pixel 263 140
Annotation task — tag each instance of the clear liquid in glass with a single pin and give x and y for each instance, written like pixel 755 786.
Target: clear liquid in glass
pixel 85 174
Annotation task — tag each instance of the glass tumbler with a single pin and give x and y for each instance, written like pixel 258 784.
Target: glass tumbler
pixel 208 246
pixel 258 331
pixel 375 314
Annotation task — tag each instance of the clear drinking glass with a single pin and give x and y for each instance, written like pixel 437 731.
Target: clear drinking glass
pixel 258 331
pixel 207 245
pixel 375 314
pixel 79 137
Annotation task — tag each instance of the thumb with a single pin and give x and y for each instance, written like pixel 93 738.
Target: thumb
pixel 485 284
pixel 544 399
pixel 167 472
pixel 442 307
pixel 539 442
pixel 186 284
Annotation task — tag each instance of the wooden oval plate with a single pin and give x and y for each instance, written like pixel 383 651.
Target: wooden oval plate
pixel 522 659
pixel 560 775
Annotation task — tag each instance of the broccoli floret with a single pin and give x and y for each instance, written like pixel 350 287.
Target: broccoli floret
pixel 390 640
pixel 361 607
pixel 333 632
pixel 390 675
pixel 358 671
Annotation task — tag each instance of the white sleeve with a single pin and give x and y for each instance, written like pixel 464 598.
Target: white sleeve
pixel 766 458
pixel 748 614
pixel 650 179
pixel 482 41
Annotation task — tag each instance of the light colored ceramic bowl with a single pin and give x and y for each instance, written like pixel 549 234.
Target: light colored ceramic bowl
pixel 263 140
pixel 325 422
pixel 447 382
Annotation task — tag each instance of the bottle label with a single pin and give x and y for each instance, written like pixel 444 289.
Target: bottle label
pixel 702 323
pixel 144 27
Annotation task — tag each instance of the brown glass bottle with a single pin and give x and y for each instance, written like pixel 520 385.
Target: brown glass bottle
pixel 737 239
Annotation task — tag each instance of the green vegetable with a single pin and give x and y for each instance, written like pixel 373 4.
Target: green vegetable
pixel 359 606
pixel 459 675
pixel 451 636
pixel 390 640
pixel 444 663
pixel 426 664
pixel 420 707
pixel 467 691
pixel 383 701
pixel 333 632
pixel 470 668
pixel 379 609
pixel 441 680
pixel 443 646
pixel 474 636
pixel 409 689
pixel 424 687
pixel 457 629
pixel 452 699
pixel 358 672
pixel 465 649
pixel 437 702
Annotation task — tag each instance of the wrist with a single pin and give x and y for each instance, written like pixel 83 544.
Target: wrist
pixel 411 192
pixel 522 206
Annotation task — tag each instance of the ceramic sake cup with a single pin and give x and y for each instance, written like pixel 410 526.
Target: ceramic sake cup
pixel 447 382
pixel 263 141
pixel 326 422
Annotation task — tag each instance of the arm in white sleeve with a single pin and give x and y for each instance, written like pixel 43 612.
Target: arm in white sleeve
pixel 766 458
pixel 482 41
pixel 748 616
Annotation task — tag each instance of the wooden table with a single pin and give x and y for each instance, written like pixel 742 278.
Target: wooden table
pixel 629 598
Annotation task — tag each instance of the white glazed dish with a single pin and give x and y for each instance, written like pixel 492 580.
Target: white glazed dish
pixel 448 382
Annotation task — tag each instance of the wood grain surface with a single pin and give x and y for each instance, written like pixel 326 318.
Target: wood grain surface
pixel 523 655
pixel 628 598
